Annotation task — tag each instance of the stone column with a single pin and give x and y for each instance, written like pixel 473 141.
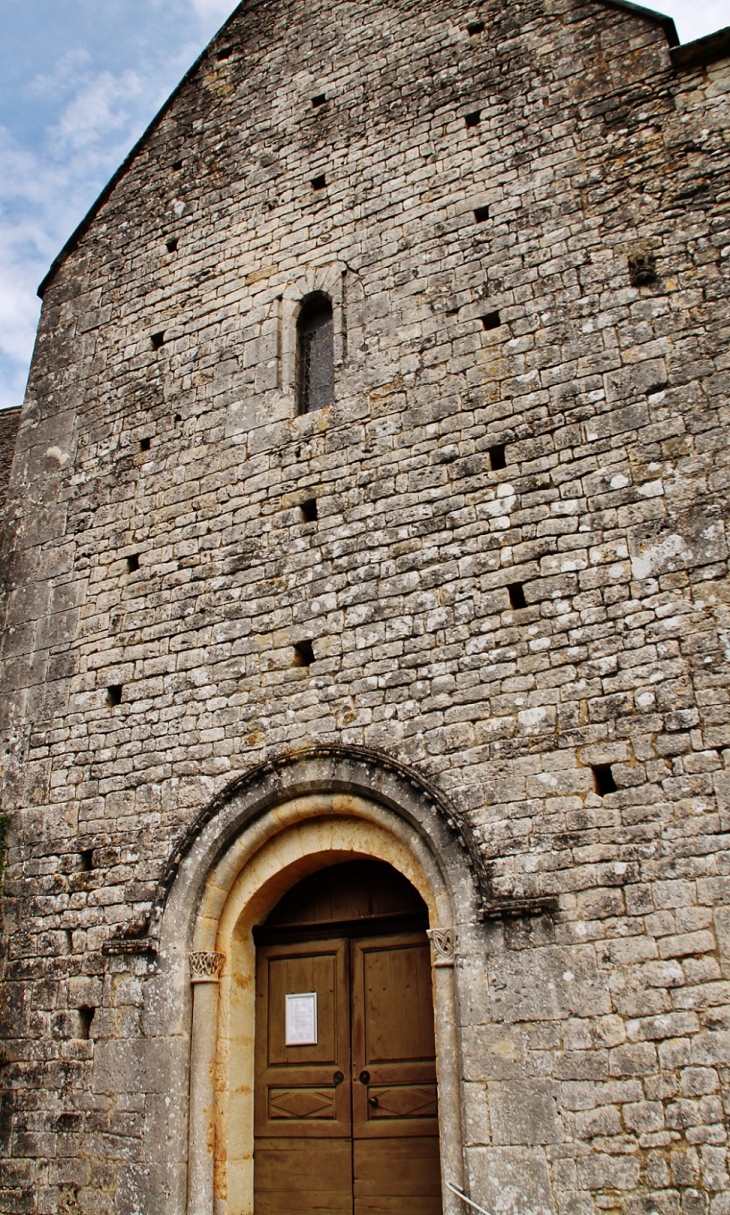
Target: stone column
pixel 205 970
pixel 447 1046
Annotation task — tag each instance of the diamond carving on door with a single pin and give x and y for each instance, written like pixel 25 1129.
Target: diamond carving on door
pixel 348 1124
pixel 301 1103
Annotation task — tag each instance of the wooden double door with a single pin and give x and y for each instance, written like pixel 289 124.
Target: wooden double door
pixel 346 1108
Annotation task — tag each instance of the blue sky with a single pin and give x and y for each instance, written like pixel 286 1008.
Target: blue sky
pixel 79 81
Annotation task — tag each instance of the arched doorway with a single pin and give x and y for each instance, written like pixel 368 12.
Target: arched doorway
pixel 346 1106
pixel 281 823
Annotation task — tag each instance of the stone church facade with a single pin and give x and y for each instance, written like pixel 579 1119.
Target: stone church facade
pixel 368 502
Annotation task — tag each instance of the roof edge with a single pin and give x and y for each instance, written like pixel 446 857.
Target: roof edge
pixel 627 6
pixel 703 50
pixel 80 231
pixel 650 14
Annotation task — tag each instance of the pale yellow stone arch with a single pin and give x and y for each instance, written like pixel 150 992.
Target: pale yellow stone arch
pixel 272 854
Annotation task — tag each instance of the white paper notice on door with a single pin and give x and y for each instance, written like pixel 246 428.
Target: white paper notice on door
pixel 301 1019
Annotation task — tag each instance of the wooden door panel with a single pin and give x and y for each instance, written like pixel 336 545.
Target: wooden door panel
pixel 295 1175
pixel 393 1046
pixel 398 1205
pixel 303 1090
pixel 347 1125
pixel 398 1003
pixel 304 973
pixel 402 1101
pixel 397 1177
pixel 302 1103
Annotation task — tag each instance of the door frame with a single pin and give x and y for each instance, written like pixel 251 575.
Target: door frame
pixel 299 837
pixel 186 1066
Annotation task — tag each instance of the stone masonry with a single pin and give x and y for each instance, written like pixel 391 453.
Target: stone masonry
pixel 516 583
pixel 9 421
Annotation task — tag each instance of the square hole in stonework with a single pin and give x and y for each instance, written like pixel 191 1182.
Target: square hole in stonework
pixel 491 320
pixel 86 858
pixel 171 244
pixel 114 695
pixel 319 183
pixel 145 444
pixel 476 27
pixel 303 654
pixel 309 510
pixel 497 457
pixel 177 165
pixel 473 119
pixel 481 214
pixel 158 340
pixel 320 99
pixel 603 781
pixel 642 269
pixel 224 53
pixel 132 563
pixel 86 1016
pixel 516 592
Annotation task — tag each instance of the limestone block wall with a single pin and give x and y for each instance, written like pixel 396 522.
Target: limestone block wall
pixel 9 421
pixel 524 231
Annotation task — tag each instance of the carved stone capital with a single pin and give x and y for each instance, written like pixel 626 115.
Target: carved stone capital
pixel 443 941
pixel 206 966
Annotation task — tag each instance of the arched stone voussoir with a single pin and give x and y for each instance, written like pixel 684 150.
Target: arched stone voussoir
pixel 285 819
pixel 354 772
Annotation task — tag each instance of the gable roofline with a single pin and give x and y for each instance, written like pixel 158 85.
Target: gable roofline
pixel 649 14
pixel 626 6
pixel 703 50
pixel 80 231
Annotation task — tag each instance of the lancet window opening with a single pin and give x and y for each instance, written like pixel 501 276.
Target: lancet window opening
pixel 315 354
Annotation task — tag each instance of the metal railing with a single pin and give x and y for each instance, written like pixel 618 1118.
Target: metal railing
pixel 460 1194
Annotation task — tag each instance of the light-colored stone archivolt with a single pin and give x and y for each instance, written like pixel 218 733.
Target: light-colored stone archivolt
pixel 207 966
pixel 299 837
pixel 252 846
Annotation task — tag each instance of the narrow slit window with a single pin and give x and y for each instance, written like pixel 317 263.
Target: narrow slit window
pixel 86 1016
pixel 315 354
pixel 303 654
pixel 497 457
pixel 603 781
pixel 516 592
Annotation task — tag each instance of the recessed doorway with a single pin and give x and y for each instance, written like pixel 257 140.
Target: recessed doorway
pixel 346 1103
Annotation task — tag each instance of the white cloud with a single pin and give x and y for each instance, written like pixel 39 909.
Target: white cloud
pixel 103 105
pixel 219 9
pixel 62 79
pixel 27 244
pixel 45 192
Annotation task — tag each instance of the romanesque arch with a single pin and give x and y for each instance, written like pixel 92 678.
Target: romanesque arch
pixel 273 827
